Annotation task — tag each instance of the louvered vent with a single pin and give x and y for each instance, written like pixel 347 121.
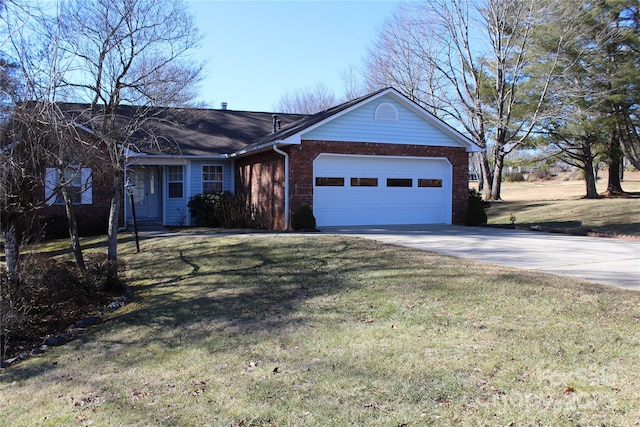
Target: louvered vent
pixel 386 112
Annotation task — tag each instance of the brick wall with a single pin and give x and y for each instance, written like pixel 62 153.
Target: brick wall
pixel 92 218
pixel 261 176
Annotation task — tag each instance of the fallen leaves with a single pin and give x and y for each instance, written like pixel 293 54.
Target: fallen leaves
pixel 200 386
pixel 138 394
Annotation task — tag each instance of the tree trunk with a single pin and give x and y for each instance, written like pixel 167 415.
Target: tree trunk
pixel 496 185
pixel 12 251
pixel 73 228
pixel 589 176
pixel 614 185
pixel 114 214
pixel 487 177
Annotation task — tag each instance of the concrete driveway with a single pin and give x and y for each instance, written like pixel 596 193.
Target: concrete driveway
pixel 601 260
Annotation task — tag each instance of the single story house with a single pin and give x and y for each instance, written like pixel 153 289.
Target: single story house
pixel 379 159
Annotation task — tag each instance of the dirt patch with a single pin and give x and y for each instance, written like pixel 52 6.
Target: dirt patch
pixel 58 318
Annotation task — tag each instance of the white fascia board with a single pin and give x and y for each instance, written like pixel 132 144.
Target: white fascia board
pixel 261 147
pixel 292 140
pixel 129 154
pixel 166 159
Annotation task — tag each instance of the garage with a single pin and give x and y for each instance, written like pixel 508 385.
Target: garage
pixel 377 190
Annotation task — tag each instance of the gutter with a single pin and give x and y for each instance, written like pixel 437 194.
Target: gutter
pixel 286 185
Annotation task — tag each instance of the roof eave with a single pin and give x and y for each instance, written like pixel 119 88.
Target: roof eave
pixel 173 156
pixel 291 140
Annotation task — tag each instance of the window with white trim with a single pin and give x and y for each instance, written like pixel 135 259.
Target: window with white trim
pixel 78 182
pixel 211 179
pixel 175 182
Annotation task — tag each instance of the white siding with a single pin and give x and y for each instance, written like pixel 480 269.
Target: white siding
pixel 360 125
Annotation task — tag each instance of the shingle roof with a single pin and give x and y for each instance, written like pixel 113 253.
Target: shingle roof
pixel 216 132
pixel 187 131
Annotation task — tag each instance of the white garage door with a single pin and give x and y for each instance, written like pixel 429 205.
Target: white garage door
pixel 373 190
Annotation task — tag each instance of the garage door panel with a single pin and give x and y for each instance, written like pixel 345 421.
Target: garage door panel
pixel 363 205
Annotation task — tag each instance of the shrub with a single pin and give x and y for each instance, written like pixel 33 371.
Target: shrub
pixel 104 274
pixel 513 177
pixel 202 206
pixel 303 218
pixel 226 210
pixel 476 211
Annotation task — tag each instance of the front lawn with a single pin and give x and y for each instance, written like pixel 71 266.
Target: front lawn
pixel 319 330
pixel 558 205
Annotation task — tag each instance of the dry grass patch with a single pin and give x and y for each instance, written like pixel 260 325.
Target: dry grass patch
pixel 330 330
pixel 559 204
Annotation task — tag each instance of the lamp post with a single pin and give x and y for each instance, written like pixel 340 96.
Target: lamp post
pixel 131 188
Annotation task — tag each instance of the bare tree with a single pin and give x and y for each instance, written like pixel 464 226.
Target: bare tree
pixel 134 52
pixel 307 101
pixel 36 121
pixel 396 59
pixel 466 62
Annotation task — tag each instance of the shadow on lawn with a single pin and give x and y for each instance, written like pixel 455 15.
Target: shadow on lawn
pixel 250 290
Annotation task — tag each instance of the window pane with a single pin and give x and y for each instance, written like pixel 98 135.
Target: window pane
pixel 329 182
pixel 423 182
pixel 364 182
pixel 73 182
pixel 211 187
pixel 174 176
pixel 399 182
pixel 211 179
pixel 175 190
pixel 174 173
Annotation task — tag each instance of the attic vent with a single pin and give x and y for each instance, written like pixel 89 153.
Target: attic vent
pixel 386 112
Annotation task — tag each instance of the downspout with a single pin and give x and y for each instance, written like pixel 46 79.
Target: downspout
pixel 286 185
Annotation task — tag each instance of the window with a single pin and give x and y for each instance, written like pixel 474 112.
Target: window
pixel 399 182
pixel 364 182
pixel 211 179
pixel 73 181
pixel 77 181
pixel 329 182
pixel 175 179
pixel 429 183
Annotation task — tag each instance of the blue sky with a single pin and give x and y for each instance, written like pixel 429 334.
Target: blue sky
pixel 259 50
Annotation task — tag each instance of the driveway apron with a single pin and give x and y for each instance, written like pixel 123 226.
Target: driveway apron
pixel 596 259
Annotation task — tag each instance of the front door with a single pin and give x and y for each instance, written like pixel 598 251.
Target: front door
pixel 147 192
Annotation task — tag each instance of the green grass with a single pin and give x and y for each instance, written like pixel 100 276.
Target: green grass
pixel 319 330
